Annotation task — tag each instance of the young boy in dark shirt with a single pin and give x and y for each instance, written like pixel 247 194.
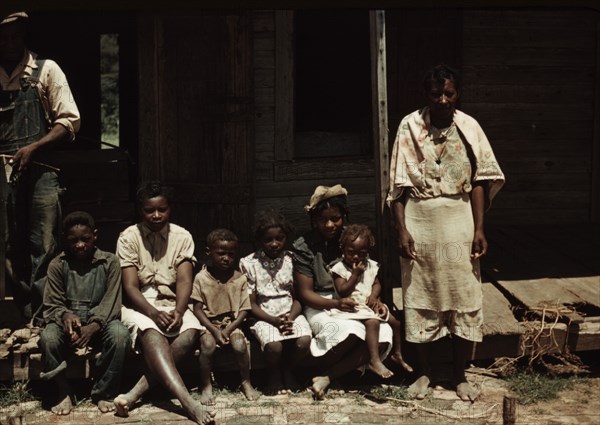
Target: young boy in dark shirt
pixel 82 304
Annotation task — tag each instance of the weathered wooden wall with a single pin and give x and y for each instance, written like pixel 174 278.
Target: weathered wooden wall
pixel 196 117
pixel 288 184
pixel 530 78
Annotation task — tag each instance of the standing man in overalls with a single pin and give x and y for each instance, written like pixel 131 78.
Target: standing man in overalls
pixel 37 112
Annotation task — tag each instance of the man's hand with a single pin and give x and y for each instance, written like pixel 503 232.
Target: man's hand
pixel 71 325
pixel 23 157
pixel 86 334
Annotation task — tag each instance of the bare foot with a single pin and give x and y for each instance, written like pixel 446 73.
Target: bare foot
pixel 419 388
pixel 379 369
pixel 123 403
pixel 249 391
pixel 202 415
pixel 466 392
pixel 105 406
pixel 397 358
pixel 319 386
pixel 64 407
pixel 206 396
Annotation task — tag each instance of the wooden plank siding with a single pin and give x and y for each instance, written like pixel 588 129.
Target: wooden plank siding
pixel 279 180
pixel 200 107
pixel 529 79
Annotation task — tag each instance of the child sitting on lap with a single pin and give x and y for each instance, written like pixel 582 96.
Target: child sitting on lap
pixel 281 325
pixel 355 276
pixel 221 304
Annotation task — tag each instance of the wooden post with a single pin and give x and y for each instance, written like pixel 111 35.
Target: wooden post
pixel 509 410
pixel 380 143
pixel 595 196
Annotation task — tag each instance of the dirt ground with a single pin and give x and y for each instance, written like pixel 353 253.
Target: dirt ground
pixel 578 405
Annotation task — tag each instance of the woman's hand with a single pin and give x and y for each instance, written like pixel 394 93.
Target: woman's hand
pixel 480 245
pixel 162 319
pixel 176 320
pixel 407 244
pixel 347 304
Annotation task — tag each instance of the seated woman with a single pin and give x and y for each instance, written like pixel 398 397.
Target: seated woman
pixel 157 258
pixel 339 341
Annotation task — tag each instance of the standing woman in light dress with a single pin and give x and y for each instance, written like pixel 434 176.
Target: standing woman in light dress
pixel 443 176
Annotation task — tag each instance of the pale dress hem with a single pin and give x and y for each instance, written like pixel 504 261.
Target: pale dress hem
pixel 266 333
pixel 328 331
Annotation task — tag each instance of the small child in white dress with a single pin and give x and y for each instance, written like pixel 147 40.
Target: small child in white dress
pixel 280 328
pixel 355 277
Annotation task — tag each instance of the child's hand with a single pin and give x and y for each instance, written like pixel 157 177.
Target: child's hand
pixel 359 268
pixel 286 326
pixel 372 302
pixel 222 338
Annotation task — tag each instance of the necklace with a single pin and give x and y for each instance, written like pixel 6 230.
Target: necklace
pixel 439 137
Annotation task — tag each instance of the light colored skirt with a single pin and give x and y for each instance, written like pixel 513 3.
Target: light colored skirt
pixel 266 333
pixel 137 322
pixel 443 277
pixel 328 331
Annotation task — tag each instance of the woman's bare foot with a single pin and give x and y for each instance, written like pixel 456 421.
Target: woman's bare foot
pixel 64 407
pixel 397 358
pixel 379 369
pixel 419 388
pixel 319 386
pixel 249 391
pixel 201 414
pixel 466 392
pixel 206 396
pixel 105 406
pixel 123 403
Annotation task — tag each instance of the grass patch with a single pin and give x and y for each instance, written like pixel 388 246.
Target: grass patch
pixel 17 393
pixel 532 387
pixel 383 392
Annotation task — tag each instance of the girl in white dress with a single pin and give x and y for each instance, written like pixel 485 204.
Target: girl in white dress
pixel 280 328
pixel 355 276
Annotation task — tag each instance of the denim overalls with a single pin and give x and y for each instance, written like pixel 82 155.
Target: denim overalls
pixel 30 209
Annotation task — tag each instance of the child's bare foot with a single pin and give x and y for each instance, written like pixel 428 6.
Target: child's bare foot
pixel 64 407
pixel 249 391
pixel 123 403
pixel 201 414
pixel 274 384
pixel 397 358
pixel 466 392
pixel 105 406
pixel 379 369
pixel 206 396
pixel 419 388
pixel 319 386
